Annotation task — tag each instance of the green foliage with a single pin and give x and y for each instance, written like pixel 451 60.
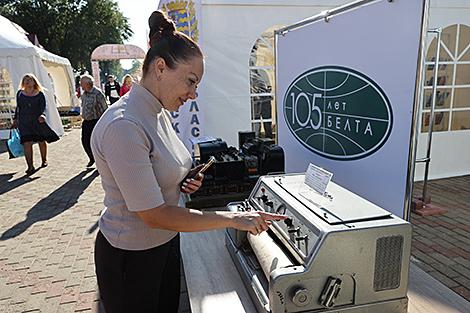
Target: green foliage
pixel 114 67
pixel 70 28
pixel 135 69
pixel 111 67
pixel 65 121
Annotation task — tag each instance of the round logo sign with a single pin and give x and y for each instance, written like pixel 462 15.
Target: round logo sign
pixel 338 113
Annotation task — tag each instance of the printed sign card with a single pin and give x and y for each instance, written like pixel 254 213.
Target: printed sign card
pixel 317 178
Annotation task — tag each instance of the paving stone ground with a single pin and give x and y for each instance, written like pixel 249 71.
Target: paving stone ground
pixel 441 243
pixel 48 225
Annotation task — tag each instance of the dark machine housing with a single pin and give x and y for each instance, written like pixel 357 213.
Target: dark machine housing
pixel 235 171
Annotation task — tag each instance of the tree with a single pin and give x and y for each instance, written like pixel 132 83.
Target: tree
pixel 70 28
pixel 135 69
pixel 111 67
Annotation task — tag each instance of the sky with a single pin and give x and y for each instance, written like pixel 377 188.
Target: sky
pixel 138 12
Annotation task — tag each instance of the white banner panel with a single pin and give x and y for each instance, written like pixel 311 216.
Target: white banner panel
pixel 345 97
pixel 187 121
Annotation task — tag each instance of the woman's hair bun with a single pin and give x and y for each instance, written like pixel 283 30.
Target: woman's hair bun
pixel 160 24
pixel 166 42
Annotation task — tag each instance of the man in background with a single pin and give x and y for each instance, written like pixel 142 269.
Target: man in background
pixel 112 89
pixel 93 106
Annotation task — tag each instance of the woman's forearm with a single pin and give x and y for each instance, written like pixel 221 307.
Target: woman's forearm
pixel 185 220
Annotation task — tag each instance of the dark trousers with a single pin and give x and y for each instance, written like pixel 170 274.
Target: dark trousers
pixel 87 129
pixel 138 281
pixel 112 100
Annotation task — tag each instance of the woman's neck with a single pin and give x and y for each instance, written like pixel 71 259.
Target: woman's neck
pixel 29 91
pixel 151 84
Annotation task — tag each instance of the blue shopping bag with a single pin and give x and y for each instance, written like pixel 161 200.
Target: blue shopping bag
pixel 15 148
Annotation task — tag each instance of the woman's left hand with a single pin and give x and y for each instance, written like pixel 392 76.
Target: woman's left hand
pixel 191 185
pixel 41 118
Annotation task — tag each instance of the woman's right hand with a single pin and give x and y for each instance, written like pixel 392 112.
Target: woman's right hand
pixel 255 222
pixel 14 124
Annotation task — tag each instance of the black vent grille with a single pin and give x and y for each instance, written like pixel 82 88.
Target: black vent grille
pixel 388 256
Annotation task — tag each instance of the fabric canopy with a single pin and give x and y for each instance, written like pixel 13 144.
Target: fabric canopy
pixel 19 56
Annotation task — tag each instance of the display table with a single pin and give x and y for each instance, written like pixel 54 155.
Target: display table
pixel 214 285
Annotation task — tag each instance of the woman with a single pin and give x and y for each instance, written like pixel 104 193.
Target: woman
pixel 126 85
pixel 30 119
pixel 143 167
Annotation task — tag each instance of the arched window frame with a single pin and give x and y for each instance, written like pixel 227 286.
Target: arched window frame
pixel 258 124
pixel 454 63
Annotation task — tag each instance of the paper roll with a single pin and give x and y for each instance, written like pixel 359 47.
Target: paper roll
pixel 268 253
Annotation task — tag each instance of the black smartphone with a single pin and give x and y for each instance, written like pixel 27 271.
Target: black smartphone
pixel 206 166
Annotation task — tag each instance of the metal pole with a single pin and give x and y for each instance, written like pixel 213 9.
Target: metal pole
pixel 276 119
pixel 419 93
pixel 325 15
pixel 438 31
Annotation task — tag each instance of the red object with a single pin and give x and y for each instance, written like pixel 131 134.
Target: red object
pixel 124 89
pixel 423 208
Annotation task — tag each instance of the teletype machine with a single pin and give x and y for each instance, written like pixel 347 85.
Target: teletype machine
pixel 235 171
pixel 336 252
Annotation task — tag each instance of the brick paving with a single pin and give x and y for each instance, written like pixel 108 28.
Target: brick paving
pixel 48 224
pixel 441 243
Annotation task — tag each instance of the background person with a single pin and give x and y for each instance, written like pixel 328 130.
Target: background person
pixel 126 84
pixel 112 89
pixel 93 106
pixel 30 118
pixel 142 164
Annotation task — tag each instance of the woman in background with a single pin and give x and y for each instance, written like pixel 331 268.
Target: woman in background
pixel 30 118
pixel 126 84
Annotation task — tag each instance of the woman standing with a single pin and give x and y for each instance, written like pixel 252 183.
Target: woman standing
pixel 126 84
pixel 30 119
pixel 144 167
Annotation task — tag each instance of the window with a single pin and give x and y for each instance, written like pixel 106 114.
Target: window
pixel 7 100
pixel 452 110
pixel 262 85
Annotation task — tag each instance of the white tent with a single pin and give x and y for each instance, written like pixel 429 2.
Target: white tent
pixel 19 56
pixel 229 29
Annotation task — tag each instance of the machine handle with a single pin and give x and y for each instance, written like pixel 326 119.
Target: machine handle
pixel 255 283
pixel 293 230
pixel 330 292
